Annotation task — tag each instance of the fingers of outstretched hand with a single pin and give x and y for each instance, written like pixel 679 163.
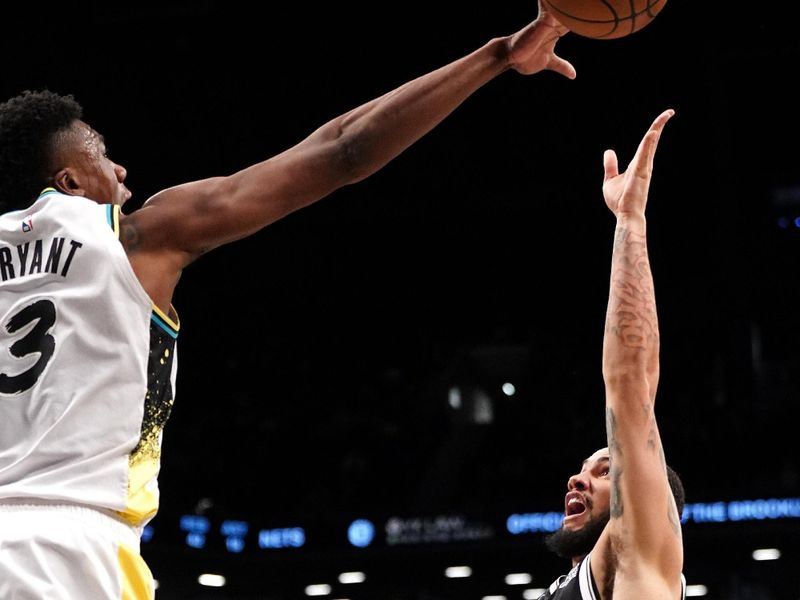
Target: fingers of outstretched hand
pixel 643 160
pixel 610 165
pixel 642 163
pixel 662 119
pixel 657 127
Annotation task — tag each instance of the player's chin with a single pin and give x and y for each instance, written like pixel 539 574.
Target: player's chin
pixel 123 196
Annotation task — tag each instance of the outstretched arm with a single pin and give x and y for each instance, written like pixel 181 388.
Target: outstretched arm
pixel 644 526
pixel 180 223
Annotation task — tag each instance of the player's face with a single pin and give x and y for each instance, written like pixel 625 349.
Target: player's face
pixel 588 492
pixel 96 176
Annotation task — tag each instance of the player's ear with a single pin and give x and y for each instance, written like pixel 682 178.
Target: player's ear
pixel 67 181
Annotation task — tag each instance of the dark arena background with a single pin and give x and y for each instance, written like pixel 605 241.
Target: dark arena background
pixel 382 395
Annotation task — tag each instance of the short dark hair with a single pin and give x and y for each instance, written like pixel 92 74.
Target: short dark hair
pixel 676 485
pixel 28 124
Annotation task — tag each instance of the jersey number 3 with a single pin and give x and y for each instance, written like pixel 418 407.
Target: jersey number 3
pixel 36 340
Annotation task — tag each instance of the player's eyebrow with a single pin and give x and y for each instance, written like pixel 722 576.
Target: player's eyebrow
pixel 600 458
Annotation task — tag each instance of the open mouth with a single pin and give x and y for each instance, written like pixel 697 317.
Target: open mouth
pixel 574 505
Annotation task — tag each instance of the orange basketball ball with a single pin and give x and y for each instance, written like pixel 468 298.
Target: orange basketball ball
pixel 604 19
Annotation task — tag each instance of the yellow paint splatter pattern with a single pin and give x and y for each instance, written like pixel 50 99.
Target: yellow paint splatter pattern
pixel 145 460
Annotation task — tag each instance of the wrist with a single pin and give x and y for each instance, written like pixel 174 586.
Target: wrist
pixel 631 220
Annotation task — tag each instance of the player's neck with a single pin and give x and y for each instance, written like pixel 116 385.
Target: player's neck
pixel 577 559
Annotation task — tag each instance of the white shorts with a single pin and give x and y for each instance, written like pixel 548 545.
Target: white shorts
pixel 64 552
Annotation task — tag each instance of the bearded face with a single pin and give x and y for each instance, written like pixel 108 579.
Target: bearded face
pixel 575 543
pixel 586 508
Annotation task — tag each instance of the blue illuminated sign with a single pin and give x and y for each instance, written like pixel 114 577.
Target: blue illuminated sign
pixel 195 524
pixel 234 528
pixel 287 537
pixel 534 522
pixel 234 544
pixel 361 533
pixel 698 512
pixel 742 510
pixel 197 527
pixel 195 540
pixel 234 532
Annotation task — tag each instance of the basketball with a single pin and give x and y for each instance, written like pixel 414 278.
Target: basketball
pixel 604 19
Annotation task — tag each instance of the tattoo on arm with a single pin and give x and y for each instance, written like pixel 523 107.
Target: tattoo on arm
pixel 631 315
pixel 652 437
pixel 129 235
pixel 615 450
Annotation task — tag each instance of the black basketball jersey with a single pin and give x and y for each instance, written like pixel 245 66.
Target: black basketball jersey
pixel 579 584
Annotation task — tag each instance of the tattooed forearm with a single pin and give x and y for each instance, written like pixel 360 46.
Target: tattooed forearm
pixel 631 315
pixel 615 451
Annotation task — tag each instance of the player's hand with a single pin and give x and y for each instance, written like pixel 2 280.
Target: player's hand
pixel 532 49
pixel 626 193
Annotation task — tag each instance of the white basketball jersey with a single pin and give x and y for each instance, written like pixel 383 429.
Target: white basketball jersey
pixel 87 363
